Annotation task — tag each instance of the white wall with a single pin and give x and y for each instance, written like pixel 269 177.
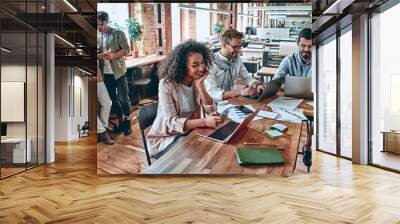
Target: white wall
pixel 202 22
pixel 70 84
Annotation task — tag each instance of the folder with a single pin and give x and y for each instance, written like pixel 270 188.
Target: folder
pixel 259 156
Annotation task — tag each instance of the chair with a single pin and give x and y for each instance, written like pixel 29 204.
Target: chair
pixel 252 67
pixel 146 116
pixel 144 84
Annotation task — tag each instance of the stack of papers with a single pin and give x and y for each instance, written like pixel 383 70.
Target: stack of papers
pixel 285 102
pixel 295 115
pixel 267 114
pixel 236 115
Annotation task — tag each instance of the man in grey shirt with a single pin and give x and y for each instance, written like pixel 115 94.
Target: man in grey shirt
pixel 227 66
pixel 299 63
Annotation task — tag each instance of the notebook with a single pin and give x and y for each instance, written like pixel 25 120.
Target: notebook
pixel 259 156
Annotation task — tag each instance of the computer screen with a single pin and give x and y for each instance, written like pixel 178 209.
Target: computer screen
pixel 3 129
pixel 251 30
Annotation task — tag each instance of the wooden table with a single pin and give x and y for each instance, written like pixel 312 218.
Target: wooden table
pixel 266 72
pixel 198 155
pixel 147 60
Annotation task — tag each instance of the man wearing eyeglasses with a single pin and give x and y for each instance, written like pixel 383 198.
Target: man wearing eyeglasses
pixel 227 68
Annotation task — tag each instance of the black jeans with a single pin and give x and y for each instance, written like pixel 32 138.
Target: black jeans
pixel 119 94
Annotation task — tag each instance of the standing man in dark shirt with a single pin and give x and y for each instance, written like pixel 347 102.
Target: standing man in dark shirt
pixel 114 47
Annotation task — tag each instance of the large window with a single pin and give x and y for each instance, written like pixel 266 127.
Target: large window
pixel 326 116
pixel 22 88
pixel 345 92
pixel 385 88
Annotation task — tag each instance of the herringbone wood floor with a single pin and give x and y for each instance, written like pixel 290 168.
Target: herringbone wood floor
pixel 69 191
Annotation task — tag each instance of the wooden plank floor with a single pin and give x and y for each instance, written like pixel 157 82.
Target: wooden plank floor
pixel 70 191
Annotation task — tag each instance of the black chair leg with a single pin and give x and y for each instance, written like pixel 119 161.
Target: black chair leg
pixel 145 147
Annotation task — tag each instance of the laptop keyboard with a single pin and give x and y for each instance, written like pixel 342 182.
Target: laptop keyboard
pixel 224 131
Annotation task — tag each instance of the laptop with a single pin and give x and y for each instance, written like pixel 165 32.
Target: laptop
pixel 298 87
pixel 227 129
pixel 270 90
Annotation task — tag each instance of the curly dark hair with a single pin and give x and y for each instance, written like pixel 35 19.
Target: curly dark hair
pixel 173 68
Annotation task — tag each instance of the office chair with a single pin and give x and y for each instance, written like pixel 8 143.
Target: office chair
pixel 252 68
pixel 146 116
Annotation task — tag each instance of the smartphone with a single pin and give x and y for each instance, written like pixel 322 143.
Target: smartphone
pixel 244 109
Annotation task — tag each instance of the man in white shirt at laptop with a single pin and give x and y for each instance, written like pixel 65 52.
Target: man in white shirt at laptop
pixel 227 67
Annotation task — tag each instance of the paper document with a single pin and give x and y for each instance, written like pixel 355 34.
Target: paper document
pixel 226 107
pixel 295 115
pixel 267 114
pixel 285 102
pixel 311 103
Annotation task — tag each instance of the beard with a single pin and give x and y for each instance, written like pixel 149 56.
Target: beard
pixel 306 55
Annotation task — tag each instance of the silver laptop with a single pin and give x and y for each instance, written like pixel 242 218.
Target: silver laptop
pixel 227 129
pixel 298 87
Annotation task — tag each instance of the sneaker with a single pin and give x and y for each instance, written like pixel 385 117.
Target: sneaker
pixel 107 139
pixel 100 137
pixel 127 127
pixel 118 128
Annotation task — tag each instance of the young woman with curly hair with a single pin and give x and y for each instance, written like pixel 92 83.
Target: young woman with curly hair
pixel 183 100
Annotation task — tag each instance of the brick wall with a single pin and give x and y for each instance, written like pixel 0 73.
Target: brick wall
pixel 146 15
pixel 188 24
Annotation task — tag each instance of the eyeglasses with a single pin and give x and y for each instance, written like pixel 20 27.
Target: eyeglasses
pixel 236 47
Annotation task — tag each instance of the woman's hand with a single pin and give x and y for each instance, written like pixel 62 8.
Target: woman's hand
pixel 212 121
pixel 201 80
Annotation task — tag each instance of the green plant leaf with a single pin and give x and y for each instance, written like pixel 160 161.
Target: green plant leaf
pixel 134 29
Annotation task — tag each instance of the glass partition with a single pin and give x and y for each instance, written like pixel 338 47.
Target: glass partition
pixel 22 89
pixel 385 89
pixel 346 93
pixel 326 116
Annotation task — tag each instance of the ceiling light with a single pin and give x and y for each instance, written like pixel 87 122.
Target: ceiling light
pixel 70 5
pixel 65 41
pixel 5 49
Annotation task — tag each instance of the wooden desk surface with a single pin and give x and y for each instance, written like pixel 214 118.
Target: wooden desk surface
pixel 198 155
pixel 147 60
pixel 267 70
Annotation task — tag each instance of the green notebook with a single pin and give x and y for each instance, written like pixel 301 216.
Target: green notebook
pixel 259 156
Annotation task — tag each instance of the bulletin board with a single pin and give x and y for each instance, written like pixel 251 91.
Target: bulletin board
pixel 12 101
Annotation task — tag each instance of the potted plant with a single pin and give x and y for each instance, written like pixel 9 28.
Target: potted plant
pixel 135 32
pixel 218 28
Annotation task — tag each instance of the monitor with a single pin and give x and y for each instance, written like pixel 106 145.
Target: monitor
pixel 251 30
pixel 3 129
